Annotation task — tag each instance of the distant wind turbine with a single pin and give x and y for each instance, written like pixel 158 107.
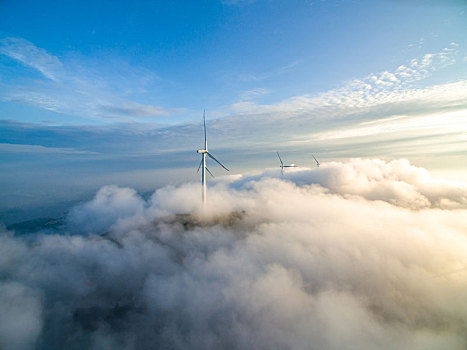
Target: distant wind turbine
pixel 202 165
pixel 316 160
pixel 282 166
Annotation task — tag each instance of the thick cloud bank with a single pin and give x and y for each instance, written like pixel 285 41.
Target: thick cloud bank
pixel 358 255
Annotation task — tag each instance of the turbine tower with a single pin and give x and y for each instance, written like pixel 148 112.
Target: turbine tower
pixel 282 166
pixel 202 165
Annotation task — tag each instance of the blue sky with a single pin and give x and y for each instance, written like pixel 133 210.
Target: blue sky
pixel 98 92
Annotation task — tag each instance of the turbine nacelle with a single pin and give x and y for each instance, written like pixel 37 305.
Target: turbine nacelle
pixel 202 151
pixel 282 166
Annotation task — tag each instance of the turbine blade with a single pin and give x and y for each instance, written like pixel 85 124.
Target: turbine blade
pixel 316 160
pixel 211 156
pixel 205 137
pixel 200 165
pixel 282 163
pixel 282 170
pixel 209 172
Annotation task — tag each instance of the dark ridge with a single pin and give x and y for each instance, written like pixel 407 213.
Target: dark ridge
pixel 52 225
pixel 190 221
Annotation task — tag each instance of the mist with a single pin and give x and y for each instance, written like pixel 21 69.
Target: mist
pixel 361 254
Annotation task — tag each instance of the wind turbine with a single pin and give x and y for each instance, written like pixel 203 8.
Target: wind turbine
pixel 202 165
pixel 282 166
pixel 316 160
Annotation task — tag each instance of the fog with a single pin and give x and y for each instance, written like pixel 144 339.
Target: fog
pixel 363 254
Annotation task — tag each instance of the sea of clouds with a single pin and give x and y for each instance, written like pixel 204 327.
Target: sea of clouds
pixel 363 254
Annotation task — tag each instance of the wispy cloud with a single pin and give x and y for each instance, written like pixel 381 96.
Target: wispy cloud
pixel 78 86
pixel 257 77
pixel 253 93
pixel 7 148
pixel 418 44
pixel 422 124
pixel 133 109
pixel 375 89
pixel 25 52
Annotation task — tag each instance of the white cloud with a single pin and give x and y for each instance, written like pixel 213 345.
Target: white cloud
pixel 109 205
pixel 365 253
pixel 21 322
pixel 375 89
pixel 418 44
pixel 271 73
pixel 426 124
pixel 32 56
pixel 253 94
pixel 397 182
pixel 77 88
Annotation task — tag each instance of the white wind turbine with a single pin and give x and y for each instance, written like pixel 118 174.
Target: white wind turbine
pixel 202 165
pixel 282 166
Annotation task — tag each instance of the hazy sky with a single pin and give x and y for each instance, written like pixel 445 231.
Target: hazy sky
pixel 112 92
